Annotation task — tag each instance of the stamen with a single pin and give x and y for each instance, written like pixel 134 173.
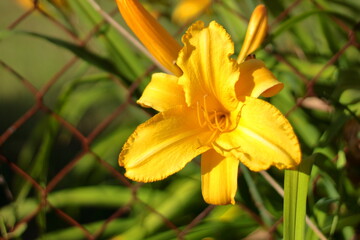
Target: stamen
pixel 211 139
pixel 237 120
pixel 227 122
pixel 216 121
pixel 206 115
pixel 220 124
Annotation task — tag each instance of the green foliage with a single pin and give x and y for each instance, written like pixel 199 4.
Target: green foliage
pixel 84 112
pixel 295 187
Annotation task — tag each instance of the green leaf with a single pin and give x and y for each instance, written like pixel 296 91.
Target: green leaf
pixel 285 25
pixel 179 195
pixel 75 233
pixel 265 216
pixel 351 220
pixel 122 53
pixel 295 194
pixel 5 33
pixel 99 195
pixel 83 53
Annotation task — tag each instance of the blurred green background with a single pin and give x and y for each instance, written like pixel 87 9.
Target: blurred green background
pixel 68 86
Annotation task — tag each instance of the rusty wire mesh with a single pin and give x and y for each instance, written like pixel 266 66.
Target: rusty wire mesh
pixel 84 140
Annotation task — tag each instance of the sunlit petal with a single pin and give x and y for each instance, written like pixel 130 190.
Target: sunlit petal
pixel 263 137
pixel 156 39
pixel 256 32
pixel 162 93
pixel 208 72
pixel 218 178
pixel 163 145
pixel 255 80
pixel 188 10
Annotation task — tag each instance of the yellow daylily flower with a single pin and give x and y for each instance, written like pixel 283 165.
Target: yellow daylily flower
pixel 187 10
pixel 211 109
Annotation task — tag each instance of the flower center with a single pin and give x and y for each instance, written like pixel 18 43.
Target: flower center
pixel 217 121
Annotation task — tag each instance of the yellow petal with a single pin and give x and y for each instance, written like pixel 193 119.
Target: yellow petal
pixel 256 32
pixel 155 38
pixel 255 80
pixel 188 10
pixel 163 145
pixel 162 93
pixel 208 72
pixel 263 137
pixel 218 178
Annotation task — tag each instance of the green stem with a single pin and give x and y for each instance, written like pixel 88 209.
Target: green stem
pixel 295 190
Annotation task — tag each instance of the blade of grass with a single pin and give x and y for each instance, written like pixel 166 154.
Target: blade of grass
pixel 100 195
pixel 295 190
pixel 265 215
pixel 122 54
pixel 83 53
pixel 5 33
pixel 74 233
pixel 179 195
pixel 285 25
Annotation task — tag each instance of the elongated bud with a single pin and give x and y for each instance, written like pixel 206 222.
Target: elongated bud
pixel 188 10
pixel 155 38
pixel 256 32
